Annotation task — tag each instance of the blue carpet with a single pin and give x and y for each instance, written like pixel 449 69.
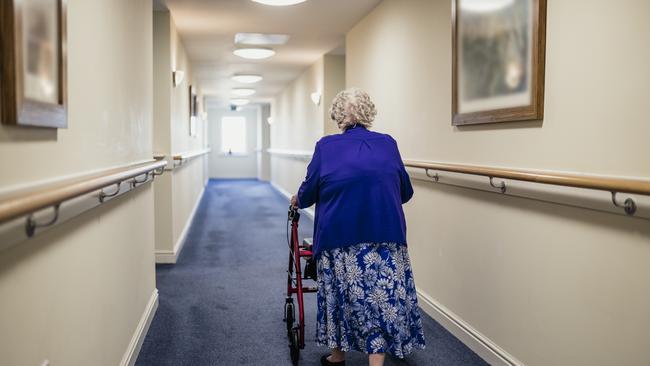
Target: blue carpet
pixel 222 303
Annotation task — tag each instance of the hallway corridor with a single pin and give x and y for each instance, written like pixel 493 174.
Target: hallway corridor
pixel 150 149
pixel 221 303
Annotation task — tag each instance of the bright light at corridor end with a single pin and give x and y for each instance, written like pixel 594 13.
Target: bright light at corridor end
pixel 484 6
pixel 247 78
pixel 239 102
pixel 254 53
pixel 279 2
pixel 243 92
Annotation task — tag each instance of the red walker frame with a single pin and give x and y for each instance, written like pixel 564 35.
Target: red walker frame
pixel 296 333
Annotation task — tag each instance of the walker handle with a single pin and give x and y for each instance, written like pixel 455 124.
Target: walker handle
pixel 293 214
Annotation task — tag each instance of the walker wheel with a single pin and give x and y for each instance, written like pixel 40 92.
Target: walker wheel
pixel 289 316
pixel 294 345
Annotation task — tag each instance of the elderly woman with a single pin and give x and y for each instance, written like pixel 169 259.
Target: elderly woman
pixel 366 293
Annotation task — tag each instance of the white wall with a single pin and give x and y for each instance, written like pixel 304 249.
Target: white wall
pixel 75 294
pixel 180 102
pixel 162 132
pixel 233 166
pixel 264 143
pixel 161 82
pixel 334 75
pixel 550 284
pixel 177 194
pixel 298 123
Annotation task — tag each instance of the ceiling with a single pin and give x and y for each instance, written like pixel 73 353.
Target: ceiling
pixel 207 29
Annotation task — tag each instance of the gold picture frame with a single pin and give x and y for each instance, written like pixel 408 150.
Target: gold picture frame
pixel 33 68
pixel 498 56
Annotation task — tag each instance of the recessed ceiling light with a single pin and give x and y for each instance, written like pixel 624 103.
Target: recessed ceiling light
pixel 243 92
pixel 279 2
pixel 247 78
pixel 254 53
pixel 239 102
pixel 260 39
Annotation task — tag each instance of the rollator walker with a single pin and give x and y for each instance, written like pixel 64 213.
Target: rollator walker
pixel 297 253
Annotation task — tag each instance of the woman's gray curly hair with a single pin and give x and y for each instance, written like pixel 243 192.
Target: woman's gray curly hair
pixel 356 104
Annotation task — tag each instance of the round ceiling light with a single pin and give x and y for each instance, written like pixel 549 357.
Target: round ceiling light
pixel 247 78
pixel 485 6
pixel 239 102
pixel 254 53
pixel 243 92
pixel 279 2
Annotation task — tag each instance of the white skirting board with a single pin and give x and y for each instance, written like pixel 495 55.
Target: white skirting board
pixel 308 211
pixel 133 349
pixel 472 338
pixel 167 256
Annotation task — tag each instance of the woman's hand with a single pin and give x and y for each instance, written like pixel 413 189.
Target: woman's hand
pixel 294 201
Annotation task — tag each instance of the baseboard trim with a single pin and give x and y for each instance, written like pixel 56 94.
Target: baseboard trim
pixel 477 342
pixel 171 256
pixel 141 331
pixel 308 211
pixel 166 256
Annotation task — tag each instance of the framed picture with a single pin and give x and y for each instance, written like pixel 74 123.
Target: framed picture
pixel 193 110
pixel 33 64
pixel 498 50
pixel 193 102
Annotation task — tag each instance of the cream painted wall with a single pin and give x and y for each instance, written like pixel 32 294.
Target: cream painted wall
pixel 334 74
pixel 180 106
pixel 178 192
pixel 264 143
pixel 298 123
pixel 62 297
pixel 162 82
pixel 162 138
pixel 107 123
pixel 551 285
pixel 187 189
pixel 188 180
pixel 236 166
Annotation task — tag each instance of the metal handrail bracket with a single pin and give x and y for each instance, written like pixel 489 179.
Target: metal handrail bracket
pixel 22 214
pixel 613 185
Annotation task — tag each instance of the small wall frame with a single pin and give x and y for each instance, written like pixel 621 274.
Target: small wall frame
pixel 498 52
pixel 194 100
pixel 33 66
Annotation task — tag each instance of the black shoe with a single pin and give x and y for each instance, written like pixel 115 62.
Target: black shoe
pixel 325 362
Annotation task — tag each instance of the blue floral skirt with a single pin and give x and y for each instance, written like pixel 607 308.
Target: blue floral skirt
pixel 367 300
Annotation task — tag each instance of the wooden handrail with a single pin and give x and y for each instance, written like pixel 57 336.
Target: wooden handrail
pixel 27 202
pixel 191 154
pixel 622 185
pixel 305 154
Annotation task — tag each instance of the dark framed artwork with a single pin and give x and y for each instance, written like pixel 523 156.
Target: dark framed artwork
pixel 193 110
pixel 193 102
pixel 498 51
pixel 33 63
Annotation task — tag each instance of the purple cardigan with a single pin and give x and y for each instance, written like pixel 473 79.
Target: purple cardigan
pixel 358 182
